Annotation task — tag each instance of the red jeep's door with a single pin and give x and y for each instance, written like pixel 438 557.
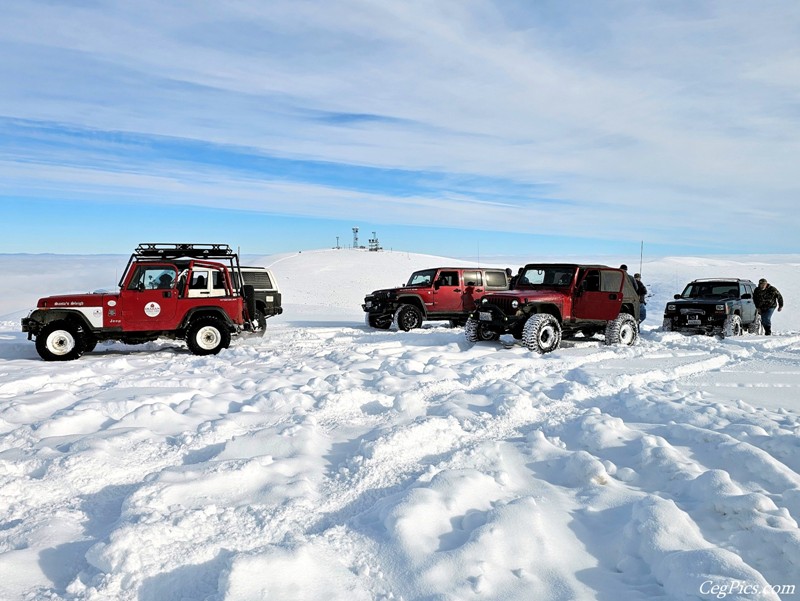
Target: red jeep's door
pixel 150 299
pixel 599 294
pixel 447 291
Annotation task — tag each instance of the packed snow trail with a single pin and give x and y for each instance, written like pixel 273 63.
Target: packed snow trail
pixel 350 443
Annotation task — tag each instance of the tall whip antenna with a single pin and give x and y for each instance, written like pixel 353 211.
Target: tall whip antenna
pixel 641 256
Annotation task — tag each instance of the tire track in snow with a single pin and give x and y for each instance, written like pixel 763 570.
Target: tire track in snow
pixel 383 468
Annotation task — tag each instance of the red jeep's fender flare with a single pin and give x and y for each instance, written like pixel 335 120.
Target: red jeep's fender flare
pixel 207 311
pixel 549 308
pixel 411 299
pixel 44 316
pixel 630 309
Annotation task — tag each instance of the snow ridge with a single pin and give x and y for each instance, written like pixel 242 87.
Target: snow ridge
pixel 331 461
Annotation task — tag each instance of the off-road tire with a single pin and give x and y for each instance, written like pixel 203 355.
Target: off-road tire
pixel 732 326
pixel 475 331
pixel 260 323
pixel 379 322
pixel 60 341
pixel 407 317
pixel 207 336
pixel 666 325
pixel 89 342
pixel 542 333
pixel 755 327
pixel 624 330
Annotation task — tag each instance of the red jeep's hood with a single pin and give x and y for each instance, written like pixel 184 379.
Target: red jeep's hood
pixel 96 299
pixel 398 290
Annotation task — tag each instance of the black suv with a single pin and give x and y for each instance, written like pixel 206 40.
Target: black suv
pixel 722 306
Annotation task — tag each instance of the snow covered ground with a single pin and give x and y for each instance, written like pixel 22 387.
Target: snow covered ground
pixel 328 461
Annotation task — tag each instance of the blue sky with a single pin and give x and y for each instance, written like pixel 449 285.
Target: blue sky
pixel 455 127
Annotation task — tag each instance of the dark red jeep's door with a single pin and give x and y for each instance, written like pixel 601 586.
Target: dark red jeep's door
pixel 598 295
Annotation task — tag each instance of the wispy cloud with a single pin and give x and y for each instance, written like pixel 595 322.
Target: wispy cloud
pixel 675 121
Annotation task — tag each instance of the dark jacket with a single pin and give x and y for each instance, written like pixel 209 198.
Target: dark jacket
pixel 767 298
pixel 641 290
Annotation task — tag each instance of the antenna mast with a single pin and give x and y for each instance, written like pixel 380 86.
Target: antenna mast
pixel 641 256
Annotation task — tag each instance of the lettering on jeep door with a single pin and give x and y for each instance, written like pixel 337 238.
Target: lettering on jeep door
pixel 149 302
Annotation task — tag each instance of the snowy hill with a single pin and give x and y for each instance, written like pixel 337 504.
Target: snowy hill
pixel 329 461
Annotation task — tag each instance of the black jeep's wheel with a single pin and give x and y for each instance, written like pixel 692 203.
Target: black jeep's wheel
pixel 666 326
pixel 542 333
pixel 732 326
pixel 755 327
pixel 260 322
pixel 408 317
pixel 380 322
pixel 60 341
pixel 207 336
pixel 475 331
pixel 623 330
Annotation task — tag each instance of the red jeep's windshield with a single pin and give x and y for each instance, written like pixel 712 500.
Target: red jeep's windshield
pixel 546 276
pixel 422 278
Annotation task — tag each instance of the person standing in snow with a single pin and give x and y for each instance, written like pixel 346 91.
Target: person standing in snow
pixel 641 290
pixel 766 298
pixel 637 286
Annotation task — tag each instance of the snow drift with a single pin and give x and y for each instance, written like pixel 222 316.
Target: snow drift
pixel 330 461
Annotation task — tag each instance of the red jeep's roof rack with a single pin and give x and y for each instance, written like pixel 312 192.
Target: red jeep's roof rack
pixel 170 250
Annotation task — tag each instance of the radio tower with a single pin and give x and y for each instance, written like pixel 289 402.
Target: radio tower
pixel 355 237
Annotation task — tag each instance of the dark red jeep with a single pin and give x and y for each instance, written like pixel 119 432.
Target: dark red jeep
pixel 439 293
pixel 551 300
pixel 176 291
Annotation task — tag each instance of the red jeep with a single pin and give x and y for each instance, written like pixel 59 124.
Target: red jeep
pixel 176 291
pixel 554 300
pixel 440 293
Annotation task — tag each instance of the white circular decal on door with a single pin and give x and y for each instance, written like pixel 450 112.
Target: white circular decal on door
pixel 152 309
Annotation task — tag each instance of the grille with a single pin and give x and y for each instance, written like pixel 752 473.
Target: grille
pixel 503 303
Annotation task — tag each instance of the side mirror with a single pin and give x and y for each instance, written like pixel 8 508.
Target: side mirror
pixel 140 287
pixel 746 296
pixel 677 296
pixel 437 284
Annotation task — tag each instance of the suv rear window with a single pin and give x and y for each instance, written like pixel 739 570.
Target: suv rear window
pixel 257 279
pixel 496 279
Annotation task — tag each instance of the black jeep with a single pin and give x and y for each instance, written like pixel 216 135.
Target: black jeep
pixel 722 306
